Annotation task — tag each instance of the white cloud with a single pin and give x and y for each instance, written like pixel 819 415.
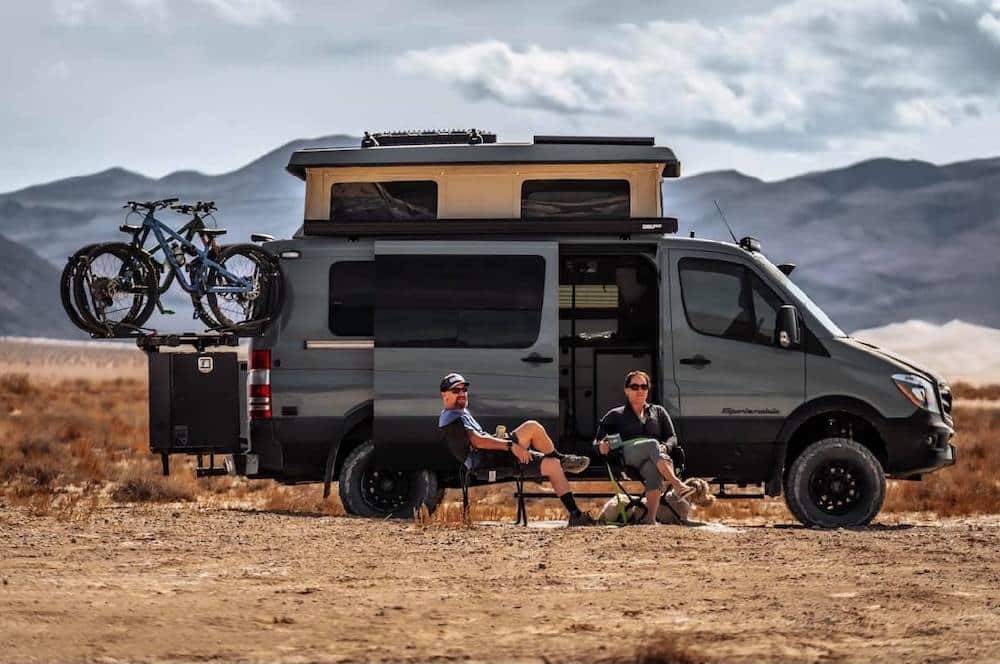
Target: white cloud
pixel 74 12
pixel 802 76
pixel 250 12
pixel 990 23
pixel 150 9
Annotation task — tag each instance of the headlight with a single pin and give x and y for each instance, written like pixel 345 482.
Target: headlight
pixel 919 391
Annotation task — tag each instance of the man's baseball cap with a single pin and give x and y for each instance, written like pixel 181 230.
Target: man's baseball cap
pixel 451 380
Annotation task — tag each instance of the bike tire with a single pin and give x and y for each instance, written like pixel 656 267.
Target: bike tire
pixel 251 312
pixel 66 290
pixel 93 293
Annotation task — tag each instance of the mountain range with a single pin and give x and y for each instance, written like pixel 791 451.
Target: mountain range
pixel 877 242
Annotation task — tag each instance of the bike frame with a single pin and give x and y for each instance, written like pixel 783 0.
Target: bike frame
pixel 164 234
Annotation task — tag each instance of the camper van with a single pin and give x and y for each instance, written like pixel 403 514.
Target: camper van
pixel 543 272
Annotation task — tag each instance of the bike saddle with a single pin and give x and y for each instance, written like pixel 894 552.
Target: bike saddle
pixel 212 232
pixel 129 228
pixel 261 237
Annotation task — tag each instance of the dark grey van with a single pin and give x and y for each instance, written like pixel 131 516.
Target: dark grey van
pixel 543 272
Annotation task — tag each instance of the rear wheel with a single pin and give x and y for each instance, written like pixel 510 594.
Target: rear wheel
pixel 251 266
pixel 368 491
pixel 66 283
pixel 114 289
pixel 835 483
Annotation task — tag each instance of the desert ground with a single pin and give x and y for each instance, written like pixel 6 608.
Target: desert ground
pixel 104 560
pixel 184 582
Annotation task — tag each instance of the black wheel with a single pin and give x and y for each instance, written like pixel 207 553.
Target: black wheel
pixel 372 492
pixel 66 282
pixel 114 288
pixel 835 483
pixel 258 268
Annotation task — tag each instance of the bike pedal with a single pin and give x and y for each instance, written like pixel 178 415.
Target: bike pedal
pixel 167 312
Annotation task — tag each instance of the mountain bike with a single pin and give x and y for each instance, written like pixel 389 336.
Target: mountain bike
pixel 111 289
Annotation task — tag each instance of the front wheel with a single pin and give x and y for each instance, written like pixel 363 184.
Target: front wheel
pixel 255 280
pixel 113 288
pixel 378 493
pixel 835 483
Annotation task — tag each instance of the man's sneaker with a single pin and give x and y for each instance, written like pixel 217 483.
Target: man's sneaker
pixel 574 463
pixel 582 519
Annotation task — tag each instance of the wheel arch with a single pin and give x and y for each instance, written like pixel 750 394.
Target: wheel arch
pixel 831 416
pixel 355 428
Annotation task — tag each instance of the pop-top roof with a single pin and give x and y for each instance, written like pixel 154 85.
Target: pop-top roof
pixel 544 150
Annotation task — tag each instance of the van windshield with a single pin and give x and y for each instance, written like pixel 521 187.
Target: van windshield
pixel 799 295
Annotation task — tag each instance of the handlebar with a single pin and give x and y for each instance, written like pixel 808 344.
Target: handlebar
pixel 151 206
pixel 205 207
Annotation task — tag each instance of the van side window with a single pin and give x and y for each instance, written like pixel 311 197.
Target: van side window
pixel 352 298
pixel 728 300
pixel 410 200
pixel 575 199
pixel 765 307
pixel 450 301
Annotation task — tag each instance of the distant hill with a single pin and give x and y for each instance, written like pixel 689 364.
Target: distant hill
pixel 877 242
pixel 29 295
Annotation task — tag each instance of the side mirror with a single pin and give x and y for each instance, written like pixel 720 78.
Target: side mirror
pixel 788 327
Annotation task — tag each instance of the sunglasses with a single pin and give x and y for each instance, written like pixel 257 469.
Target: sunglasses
pixel 459 390
pixel 642 387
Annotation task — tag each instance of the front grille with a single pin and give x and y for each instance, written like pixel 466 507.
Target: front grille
pixel 945 399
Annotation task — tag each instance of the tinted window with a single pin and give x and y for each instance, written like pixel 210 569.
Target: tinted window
pixel 575 199
pixel 382 201
pixel 728 300
pixel 765 310
pixel 715 300
pixel 352 298
pixel 459 301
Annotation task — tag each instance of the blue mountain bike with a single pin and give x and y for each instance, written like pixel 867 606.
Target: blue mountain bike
pixel 111 289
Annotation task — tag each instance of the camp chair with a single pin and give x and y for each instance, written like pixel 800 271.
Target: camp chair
pixel 458 444
pixel 620 472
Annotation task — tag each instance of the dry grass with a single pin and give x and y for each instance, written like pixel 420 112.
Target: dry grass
pixel 71 446
pixel 966 391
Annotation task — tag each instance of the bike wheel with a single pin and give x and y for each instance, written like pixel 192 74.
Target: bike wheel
pixel 115 288
pixel 66 281
pixel 253 267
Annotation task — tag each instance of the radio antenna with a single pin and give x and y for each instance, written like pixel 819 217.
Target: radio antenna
pixel 725 221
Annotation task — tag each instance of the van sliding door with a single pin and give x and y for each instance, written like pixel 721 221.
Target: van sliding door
pixel 487 310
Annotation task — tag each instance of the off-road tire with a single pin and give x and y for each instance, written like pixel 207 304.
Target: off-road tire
pixel 359 482
pixel 835 483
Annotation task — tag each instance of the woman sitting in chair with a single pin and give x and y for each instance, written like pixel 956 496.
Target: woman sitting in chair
pixel 644 433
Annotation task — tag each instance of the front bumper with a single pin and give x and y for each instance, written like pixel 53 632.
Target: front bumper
pixel 918 444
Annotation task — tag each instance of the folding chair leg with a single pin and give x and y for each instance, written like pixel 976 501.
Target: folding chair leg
pixel 522 510
pixel 465 495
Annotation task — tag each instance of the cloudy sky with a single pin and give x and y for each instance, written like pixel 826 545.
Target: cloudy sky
pixel 772 89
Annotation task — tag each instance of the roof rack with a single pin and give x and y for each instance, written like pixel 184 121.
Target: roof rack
pixel 428 137
pixel 490 227
pixel 595 140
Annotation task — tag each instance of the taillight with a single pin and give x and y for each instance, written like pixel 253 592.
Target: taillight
pixel 259 385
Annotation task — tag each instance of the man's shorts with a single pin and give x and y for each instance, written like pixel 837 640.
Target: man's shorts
pixel 506 464
pixel 643 457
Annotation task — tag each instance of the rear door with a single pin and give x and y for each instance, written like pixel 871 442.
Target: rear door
pixel 736 384
pixel 487 310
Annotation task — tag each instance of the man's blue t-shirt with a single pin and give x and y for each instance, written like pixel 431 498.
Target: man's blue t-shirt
pixel 468 421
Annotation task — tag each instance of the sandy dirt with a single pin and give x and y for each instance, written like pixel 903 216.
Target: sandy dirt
pixel 187 582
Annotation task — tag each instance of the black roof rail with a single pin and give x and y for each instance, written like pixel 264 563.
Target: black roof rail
pixel 442 228
pixel 595 140
pixel 428 137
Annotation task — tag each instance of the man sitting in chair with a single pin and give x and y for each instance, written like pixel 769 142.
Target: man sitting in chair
pixel 528 451
pixel 651 431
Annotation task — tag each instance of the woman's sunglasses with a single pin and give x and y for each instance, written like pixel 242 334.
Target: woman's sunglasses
pixel 638 386
pixel 459 390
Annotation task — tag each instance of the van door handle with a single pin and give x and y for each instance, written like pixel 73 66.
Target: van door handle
pixel 535 358
pixel 697 360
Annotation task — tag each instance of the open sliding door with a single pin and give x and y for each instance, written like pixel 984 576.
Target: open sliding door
pixel 488 310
